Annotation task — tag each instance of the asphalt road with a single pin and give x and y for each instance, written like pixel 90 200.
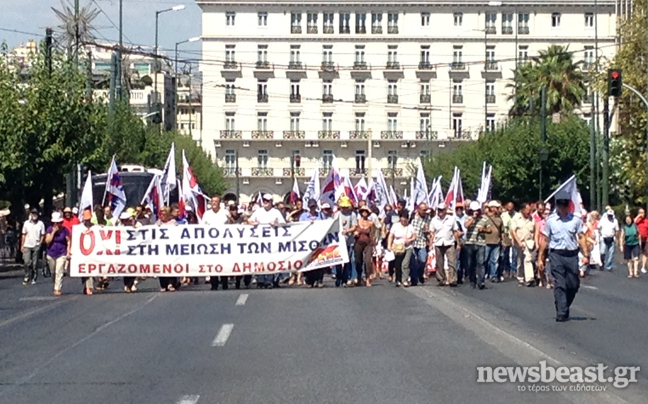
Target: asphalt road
pixel 363 345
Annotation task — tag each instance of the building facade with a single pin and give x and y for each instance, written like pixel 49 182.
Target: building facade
pixel 375 84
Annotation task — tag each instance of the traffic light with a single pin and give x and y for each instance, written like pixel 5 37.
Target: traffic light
pixel 615 82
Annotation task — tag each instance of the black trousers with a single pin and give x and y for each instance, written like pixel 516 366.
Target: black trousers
pixel 247 280
pixel 564 269
pixel 165 282
pixel 215 280
pixel 129 281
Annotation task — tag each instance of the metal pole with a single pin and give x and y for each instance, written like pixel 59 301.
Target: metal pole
pixel 121 47
pixel 606 153
pixel 486 77
pixel 592 158
pixel 543 132
pixel 238 181
pixel 645 101
pixel 176 81
pixel 156 102
pixel 76 33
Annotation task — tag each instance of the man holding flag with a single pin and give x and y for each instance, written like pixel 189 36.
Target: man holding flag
pixel 115 194
pixel 562 236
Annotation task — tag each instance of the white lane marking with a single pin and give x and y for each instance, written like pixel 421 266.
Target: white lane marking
pixel 589 287
pixel 38 298
pixel 30 313
pixel 242 299
pixel 223 335
pixel 188 400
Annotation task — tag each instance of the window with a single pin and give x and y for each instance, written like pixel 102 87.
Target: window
pixel 262 121
pixel 425 88
pixel 359 55
pixel 230 162
pixel 392 87
pixel 295 23
pixel 294 121
pixel 589 20
pixel 392 56
pixel 523 23
pixel 327 54
pixel 230 18
pixel 424 123
pixel 327 159
pixel 345 19
pixel 555 20
pixel 457 124
pixel 295 95
pixel 425 154
pixel 361 20
pixel 327 87
pixel 523 54
pixel 588 119
pixel 230 56
pixel 458 19
pixel 230 93
pixel 262 159
pixel 262 54
pixel 490 88
pixel 360 160
pixel 327 121
pixel 588 58
pixel 376 19
pixel 359 88
pixel 491 20
pixel 311 22
pixel 392 122
pixel 262 91
pixel 425 56
pixel 457 55
pixel 507 24
pixel 392 23
pixel 491 63
pixel 296 154
pixel 587 95
pixel 295 55
pixel 328 23
pixel 425 19
pixel 392 158
pixel 457 92
pixel 230 121
pixel 360 122
pixel 490 122
pixel 263 19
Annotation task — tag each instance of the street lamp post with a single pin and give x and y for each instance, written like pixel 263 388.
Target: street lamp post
pixel 157 17
pixel 194 39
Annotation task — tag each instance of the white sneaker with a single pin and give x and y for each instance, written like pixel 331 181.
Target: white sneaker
pixel 643 271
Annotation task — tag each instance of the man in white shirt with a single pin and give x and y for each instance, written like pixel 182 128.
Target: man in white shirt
pixel 609 228
pixel 267 215
pixel 444 232
pixel 33 235
pixel 215 216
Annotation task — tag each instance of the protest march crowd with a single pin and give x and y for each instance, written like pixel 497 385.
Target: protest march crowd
pixel 407 241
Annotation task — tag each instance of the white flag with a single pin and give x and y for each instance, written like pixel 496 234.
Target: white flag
pixel 168 181
pixel 361 189
pixel 420 189
pixel 86 196
pixel 115 189
pixel 313 188
pixel 571 188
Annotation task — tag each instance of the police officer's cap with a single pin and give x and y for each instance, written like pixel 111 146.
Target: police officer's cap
pixel 562 196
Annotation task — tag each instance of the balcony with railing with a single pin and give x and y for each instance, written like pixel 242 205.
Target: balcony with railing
pixel 295 66
pixel 492 66
pixel 230 65
pixel 230 97
pixel 327 98
pixel 295 29
pixel 376 29
pixel 361 30
pixel 457 98
pixel 523 30
pixel 491 30
pixel 328 67
pixel 359 65
pixel 461 135
pixel 329 29
pixel 392 66
pixel 262 172
pixel 328 134
pixel 345 30
pixel 391 135
pixel 294 134
pixel 323 171
pixel 295 98
pixel 427 135
pixel 357 172
pixel 392 99
pixel 262 98
pixel 425 99
pixel 359 134
pixel 425 66
pixel 232 172
pixel 298 172
pixel 263 65
pixel 459 66
pixel 507 30
pixel 586 66
pixel 491 99
pixel 389 172
pixel 392 29
pixel 231 134
pixel 311 29
pixel 262 134
pixel 360 99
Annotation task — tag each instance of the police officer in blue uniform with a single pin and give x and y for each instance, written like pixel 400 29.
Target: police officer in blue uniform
pixel 562 236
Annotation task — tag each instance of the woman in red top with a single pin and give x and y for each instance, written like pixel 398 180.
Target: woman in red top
pixel 642 225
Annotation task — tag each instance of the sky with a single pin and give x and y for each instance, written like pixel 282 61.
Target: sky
pixel 33 16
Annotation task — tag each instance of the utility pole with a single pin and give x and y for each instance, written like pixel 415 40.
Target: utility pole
pixel 238 178
pixel 605 155
pixel 76 33
pixel 119 52
pixel 543 135
pixel 48 50
pixel 592 158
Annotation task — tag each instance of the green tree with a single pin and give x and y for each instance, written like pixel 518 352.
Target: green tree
pixel 555 69
pixel 513 152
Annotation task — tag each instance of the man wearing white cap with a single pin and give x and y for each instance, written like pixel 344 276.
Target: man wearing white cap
pixel 563 234
pixel 267 215
pixel 444 233
pixel 609 228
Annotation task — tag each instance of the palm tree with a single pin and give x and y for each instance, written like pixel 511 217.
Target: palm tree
pixel 562 77
pixel 70 22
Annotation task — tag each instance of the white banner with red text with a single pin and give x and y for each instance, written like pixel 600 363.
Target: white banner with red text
pixel 196 250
